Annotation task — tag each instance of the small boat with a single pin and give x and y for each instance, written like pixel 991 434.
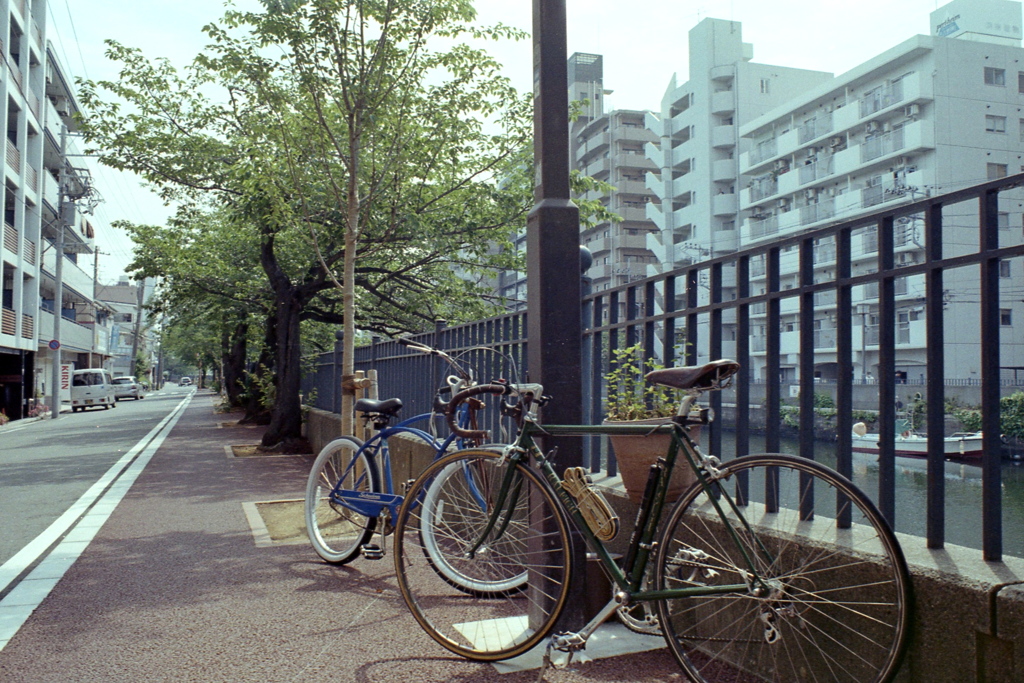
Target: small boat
pixel 912 444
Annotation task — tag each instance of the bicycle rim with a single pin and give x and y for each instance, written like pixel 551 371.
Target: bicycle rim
pixel 835 599
pixel 533 540
pixel 442 537
pixel 337 532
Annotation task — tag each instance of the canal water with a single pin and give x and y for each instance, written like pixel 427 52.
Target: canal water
pixel 963 493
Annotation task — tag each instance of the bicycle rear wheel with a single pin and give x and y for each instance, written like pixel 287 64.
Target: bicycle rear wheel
pixel 441 535
pixel 470 601
pixel 834 600
pixel 336 531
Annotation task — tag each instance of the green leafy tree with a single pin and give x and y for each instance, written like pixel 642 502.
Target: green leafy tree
pixel 358 161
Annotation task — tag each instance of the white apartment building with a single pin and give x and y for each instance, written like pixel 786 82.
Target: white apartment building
pixel 610 147
pixel 933 114
pixel 696 156
pixel 38 103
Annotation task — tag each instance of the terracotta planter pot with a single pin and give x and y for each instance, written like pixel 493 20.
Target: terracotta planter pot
pixel 636 454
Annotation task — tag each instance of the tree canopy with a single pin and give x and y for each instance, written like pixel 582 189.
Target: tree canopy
pixel 352 150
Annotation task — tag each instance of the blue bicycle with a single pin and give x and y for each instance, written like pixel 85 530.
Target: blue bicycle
pixel 351 495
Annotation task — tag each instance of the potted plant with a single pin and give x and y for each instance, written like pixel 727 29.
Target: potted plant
pixel 630 399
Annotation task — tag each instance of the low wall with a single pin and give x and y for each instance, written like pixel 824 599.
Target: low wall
pixel 968 616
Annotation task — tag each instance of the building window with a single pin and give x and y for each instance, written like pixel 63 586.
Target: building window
pixel 765 86
pixel 1005 317
pixel 996 171
pixel 994 76
pixel 1020 81
pixel 995 124
pixel 1004 269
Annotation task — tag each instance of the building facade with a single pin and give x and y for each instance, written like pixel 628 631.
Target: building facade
pixel 935 113
pixel 45 190
pixel 696 154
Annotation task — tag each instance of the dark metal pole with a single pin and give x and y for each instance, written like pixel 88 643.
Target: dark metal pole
pixel 552 241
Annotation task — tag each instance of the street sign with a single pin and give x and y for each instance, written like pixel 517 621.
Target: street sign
pixel 54 344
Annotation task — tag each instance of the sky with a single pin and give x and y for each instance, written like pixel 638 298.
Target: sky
pixel 643 43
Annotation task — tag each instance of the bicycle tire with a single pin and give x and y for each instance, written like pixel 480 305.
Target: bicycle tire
pixel 836 604
pixel 484 626
pixel 435 533
pixel 338 533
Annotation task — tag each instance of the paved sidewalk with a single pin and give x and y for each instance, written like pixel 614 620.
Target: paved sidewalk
pixel 174 588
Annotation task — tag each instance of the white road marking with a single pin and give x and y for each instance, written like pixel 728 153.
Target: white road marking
pixel 87 516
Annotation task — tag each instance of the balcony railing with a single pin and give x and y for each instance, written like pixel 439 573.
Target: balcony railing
pixel 763 187
pixel 765 149
pixel 8 321
pixel 28 326
pixel 881 98
pixel 30 252
pixel 890 142
pixel 10 238
pixel 13 157
pixel 816 127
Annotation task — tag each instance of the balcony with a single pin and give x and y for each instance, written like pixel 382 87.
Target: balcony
pixel 632 213
pixel 815 127
pixel 763 187
pixel 631 187
pixel 723 136
pixel 8 321
pixel 723 204
pixel 766 149
pixel 816 170
pixel 825 339
pixel 13 157
pixel 73 336
pixel 723 170
pixel 74 277
pixel 881 98
pixel 10 238
pixel 723 102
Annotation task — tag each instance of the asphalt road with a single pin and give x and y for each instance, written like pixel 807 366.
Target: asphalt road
pixel 47 465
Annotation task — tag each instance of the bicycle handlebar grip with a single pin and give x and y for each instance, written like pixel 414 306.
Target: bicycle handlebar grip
pixel 457 399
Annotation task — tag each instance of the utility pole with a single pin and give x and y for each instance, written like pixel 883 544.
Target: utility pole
pixel 140 295
pixel 58 275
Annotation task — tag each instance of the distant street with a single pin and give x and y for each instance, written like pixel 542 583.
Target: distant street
pixel 47 466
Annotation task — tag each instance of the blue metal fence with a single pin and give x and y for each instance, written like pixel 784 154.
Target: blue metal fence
pixel 804 286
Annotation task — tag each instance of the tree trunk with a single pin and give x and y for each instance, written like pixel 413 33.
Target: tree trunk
pixel 233 362
pixel 255 412
pixel 285 429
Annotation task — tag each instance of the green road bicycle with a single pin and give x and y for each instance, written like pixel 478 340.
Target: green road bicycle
pixel 768 568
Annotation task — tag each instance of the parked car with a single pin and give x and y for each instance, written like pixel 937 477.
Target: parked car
pixel 127 387
pixel 185 382
pixel 92 388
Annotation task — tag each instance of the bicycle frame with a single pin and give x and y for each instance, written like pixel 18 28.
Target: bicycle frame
pixel 628 578
pixel 370 503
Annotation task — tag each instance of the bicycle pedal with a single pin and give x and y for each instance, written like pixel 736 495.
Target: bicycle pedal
pixel 372 551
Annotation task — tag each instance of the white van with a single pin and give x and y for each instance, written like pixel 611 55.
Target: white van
pixel 92 388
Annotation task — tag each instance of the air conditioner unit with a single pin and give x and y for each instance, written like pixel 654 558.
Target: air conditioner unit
pixel 811 193
pixel 901 161
pixel 873 126
pixel 835 140
pixel 61 105
pixel 780 164
pixel 783 203
pixel 913 110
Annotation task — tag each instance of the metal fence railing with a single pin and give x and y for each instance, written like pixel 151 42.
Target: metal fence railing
pixel 770 306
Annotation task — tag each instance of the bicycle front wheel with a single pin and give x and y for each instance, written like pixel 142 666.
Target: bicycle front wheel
pixel 336 530
pixel 827 594
pixel 466 589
